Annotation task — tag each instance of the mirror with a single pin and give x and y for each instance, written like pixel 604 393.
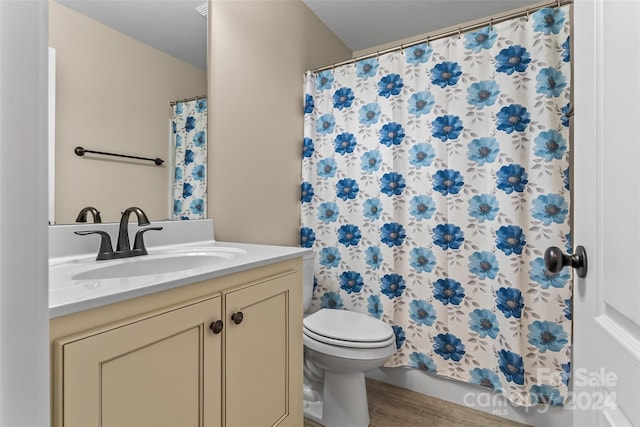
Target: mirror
pixel 118 65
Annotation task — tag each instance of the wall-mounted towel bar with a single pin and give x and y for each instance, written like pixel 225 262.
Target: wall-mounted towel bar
pixel 81 152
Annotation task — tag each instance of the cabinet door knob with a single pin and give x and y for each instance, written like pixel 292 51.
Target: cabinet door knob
pixel 237 317
pixel 216 327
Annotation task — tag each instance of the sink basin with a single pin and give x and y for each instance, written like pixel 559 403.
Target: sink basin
pixel 148 266
pixel 162 262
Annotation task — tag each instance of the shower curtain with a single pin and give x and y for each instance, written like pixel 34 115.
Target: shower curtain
pixel 434 178
pixel 190 143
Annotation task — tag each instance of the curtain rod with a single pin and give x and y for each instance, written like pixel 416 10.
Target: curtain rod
pixel 459 30
pixel 193 98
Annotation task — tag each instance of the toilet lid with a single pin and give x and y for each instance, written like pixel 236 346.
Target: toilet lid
pixel 346 325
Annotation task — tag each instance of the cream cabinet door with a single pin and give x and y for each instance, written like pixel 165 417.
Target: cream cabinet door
pixel 164 370
pixel 263 354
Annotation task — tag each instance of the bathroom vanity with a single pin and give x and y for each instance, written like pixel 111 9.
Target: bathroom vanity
pixel 219 346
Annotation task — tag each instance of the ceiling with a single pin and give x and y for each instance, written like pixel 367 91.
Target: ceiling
pixel 362 24
pixel 172 26
pixel 175 27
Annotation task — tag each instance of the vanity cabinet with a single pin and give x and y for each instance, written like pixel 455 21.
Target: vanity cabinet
pixel 161 359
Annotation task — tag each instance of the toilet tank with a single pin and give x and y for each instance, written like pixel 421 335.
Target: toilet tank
pixel 307 279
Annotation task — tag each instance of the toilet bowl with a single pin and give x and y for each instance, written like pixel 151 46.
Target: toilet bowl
pixel 339 346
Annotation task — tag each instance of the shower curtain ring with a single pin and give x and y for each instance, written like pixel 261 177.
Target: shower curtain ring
pixel 527 14
pixel 459 33
pixel 559 4
pixel 490 24
pixel 428 40
pixel 402 49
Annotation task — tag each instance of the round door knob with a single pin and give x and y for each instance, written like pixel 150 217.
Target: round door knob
pixel 237 317
pixel 216 327
pixel 555 260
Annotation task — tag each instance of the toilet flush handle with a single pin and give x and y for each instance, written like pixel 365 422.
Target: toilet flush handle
pixel 237 317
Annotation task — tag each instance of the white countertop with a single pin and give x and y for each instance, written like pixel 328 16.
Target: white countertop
pixel 68 296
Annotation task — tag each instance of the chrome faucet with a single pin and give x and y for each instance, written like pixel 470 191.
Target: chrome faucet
pixel 123 249
pixel 95 214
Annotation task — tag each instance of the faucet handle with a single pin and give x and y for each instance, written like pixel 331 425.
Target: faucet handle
pixel 138 243
pixel 105 243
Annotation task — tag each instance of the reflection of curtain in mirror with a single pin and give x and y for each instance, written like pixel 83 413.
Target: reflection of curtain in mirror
pixel 190 139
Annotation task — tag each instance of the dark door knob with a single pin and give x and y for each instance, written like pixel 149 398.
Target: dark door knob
pixel 237 317
pixel 216 327
pixel 555 260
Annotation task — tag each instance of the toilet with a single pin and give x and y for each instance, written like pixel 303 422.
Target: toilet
pixel 339 347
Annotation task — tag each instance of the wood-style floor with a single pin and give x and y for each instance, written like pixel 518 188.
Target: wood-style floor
pixel 391 406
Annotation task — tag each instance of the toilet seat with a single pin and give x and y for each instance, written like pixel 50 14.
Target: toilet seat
pixel 347 329
pixel 344 343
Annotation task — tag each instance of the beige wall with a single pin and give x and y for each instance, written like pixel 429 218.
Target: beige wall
pixel 259 53
pixel 112 94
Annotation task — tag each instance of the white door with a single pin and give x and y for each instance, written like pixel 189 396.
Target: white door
pixel 606 312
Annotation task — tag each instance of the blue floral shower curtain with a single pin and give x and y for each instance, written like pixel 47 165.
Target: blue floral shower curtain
pixel 190 139
pixel 434 179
